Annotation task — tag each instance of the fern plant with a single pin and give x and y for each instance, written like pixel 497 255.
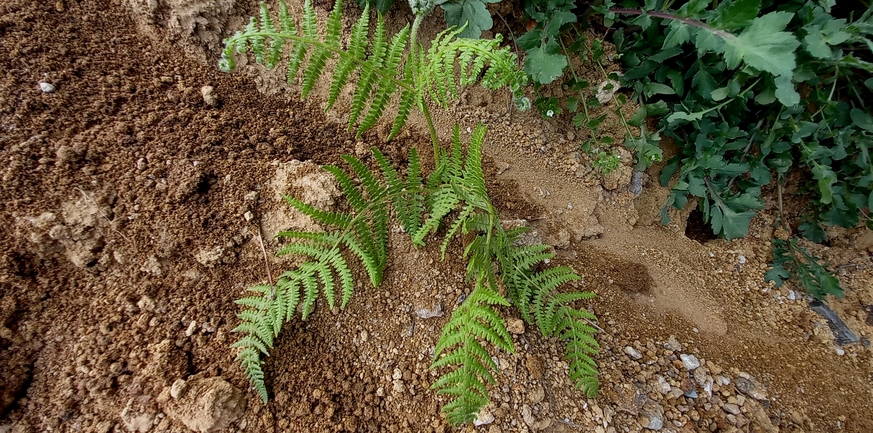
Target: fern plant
pixel 502 272
pixel 384 67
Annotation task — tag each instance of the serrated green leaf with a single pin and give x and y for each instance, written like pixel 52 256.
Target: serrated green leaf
pixel 530 40
pixel 471 13
pixel 739 14
pixel 786 92
pixel 814 44
pixel 543 67
pixel 764 45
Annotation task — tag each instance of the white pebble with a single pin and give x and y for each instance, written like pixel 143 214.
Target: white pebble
pixel 689 361
pixel 46 87
pixel 633 353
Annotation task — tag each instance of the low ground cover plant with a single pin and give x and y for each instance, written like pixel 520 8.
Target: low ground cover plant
pixel 759 91
pixel 450 201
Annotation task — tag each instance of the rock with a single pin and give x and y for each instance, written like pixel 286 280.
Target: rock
pixel 673 344
pixel 484 417
pixel 749 386
pixel 763 421
pixel 652 415
pixel 633 353
pixel 537 394
pixel 663 387
pixel 209 96
pixel 178 389
pixel 209 256
pixel 192 328
pixel 536 366
pixel 436 310
pixel 700 376
pixel 618 178
pixel 732 408
pixel 136 420
pixel 208 405
pixel 146 304
pixel 689 361
pixel 606 89
pixel 515 326
pixel 46 87
pixel 636 185
pixel 527 416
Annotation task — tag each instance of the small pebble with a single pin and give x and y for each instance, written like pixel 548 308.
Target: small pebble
pixel 633 353
pixel 689 361
pixel 46 87
pixel 179 388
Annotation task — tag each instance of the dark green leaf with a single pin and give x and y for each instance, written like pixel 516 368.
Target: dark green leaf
pixel 739 14
pixel 862 119
pixel 471 13
pixel 544 67
pixel 764 46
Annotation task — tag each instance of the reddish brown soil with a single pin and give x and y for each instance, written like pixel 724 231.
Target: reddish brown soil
pixel 124 186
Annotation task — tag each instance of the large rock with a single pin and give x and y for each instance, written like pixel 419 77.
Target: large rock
pixel 206 405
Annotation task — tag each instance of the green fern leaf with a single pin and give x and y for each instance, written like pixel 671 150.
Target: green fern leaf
pixel 386 87
pixel 357 53
pixel 378 48
pixel 338 220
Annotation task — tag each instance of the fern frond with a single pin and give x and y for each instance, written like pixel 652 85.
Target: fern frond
pixel 475 320
pixel 386 87
pixel 364 232
pixel 357 53
pixel 378 48
pixel 419 77
pixel 338 220
pixel 321 53
pixel 441 203
pixel 250 359
pixel 460 221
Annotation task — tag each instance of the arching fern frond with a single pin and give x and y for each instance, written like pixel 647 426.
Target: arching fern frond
pixel 382 73
pixel 535 292
pixel 363 232
pixel 461 347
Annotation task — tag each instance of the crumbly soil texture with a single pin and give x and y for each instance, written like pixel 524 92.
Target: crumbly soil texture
pixel 140 197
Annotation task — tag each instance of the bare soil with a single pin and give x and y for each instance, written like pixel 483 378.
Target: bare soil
pixel 133 213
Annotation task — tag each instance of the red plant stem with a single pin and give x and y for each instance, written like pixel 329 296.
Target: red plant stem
pixel 665 15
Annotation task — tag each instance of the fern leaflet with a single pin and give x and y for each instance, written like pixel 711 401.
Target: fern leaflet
pixel 381 73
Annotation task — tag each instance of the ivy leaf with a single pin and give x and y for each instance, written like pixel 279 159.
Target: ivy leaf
pixel 544 67
pixel 471 13
pixel 764 45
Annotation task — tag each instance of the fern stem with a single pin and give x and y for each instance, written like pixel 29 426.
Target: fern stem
pixel 413 43
pixel 433 135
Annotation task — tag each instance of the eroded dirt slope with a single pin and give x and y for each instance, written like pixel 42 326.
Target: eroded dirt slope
pixel 133 205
